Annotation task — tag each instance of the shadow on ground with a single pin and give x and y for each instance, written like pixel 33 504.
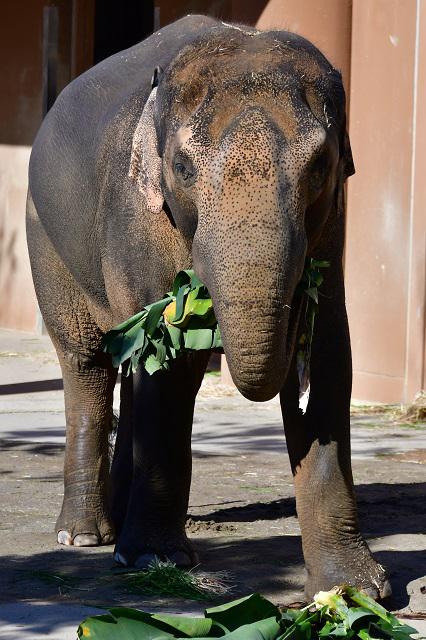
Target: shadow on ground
pixel 272 565
pixel 384 509
pixel 88 577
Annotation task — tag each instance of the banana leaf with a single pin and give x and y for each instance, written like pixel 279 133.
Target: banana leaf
pixel 255 618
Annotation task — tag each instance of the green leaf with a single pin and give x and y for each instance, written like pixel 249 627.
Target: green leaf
pixel 267 629
pixel 123 624
pixel 190 627
pixel 301 628
pixel 175 336
pixel 196 282
pixel 319 264
pixel 128 324
pixel 197 307
pixel 327 629
pixel 161 351
pixel 152 365
pixel 369 604
pixel 355 614
pixel 312 292
pixel 132 341
pixel 134 361
pixel 243 611
pixel 155 312
pixel 198 339
pixel 217 339
pixel 341 631
pixel 180 302
pixel 182 278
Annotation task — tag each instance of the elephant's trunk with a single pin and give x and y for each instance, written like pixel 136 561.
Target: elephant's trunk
pixel 252 297
pixel 254 336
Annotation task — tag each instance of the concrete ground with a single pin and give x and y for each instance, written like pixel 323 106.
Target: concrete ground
pixel 242 513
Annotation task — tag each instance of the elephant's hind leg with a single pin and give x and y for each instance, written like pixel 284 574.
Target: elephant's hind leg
pixel 89 381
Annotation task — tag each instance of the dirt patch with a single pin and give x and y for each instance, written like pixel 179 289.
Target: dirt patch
pixel 208 526
pixel 418 456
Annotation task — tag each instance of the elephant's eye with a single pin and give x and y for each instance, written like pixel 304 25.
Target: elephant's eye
pixel 183 172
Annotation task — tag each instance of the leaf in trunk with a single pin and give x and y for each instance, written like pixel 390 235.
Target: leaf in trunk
pixel 198 339
pixel 182 279
pixel 152 364
pixel 180 303
pixel 155 312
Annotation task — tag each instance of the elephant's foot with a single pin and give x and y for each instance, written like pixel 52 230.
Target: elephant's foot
pixel 82 528
pixel 353 565
pixel 140 553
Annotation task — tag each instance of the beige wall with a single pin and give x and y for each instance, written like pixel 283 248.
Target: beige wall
pixel 18 302
pixel 385 250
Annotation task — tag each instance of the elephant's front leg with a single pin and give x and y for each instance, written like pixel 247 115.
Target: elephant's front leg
pixel 88 387
pixel 163 406
pixel 319 448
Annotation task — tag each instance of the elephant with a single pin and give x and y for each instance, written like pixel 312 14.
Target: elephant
pixel 224 149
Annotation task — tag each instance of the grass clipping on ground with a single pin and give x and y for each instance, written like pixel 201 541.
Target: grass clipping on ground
pixel 164 578
pixel 343 612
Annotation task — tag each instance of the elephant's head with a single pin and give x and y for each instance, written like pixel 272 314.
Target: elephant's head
pixel 244 142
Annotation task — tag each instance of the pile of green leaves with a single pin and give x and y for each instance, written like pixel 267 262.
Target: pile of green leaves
pixel 344 613
pixel 181 322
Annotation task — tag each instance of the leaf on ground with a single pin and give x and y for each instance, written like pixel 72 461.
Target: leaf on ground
pixel 243 611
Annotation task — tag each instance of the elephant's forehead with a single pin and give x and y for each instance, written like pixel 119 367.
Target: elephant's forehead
pixel 227 57
pixel 260 66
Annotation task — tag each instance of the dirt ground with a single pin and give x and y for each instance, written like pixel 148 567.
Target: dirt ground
pixel 242 514
pixel 242 518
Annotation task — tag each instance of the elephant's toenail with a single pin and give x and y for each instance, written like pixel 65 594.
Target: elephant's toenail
pixel 108 538
pixel 86 540
pixel 386 590
pixel 64 538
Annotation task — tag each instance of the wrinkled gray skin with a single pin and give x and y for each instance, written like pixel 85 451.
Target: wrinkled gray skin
pixel 235 164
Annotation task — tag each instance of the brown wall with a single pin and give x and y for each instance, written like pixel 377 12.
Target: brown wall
pixel 21 112
pixel 20 117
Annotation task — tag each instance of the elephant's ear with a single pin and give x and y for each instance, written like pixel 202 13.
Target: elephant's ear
pixel 145 163
pixel 347 160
